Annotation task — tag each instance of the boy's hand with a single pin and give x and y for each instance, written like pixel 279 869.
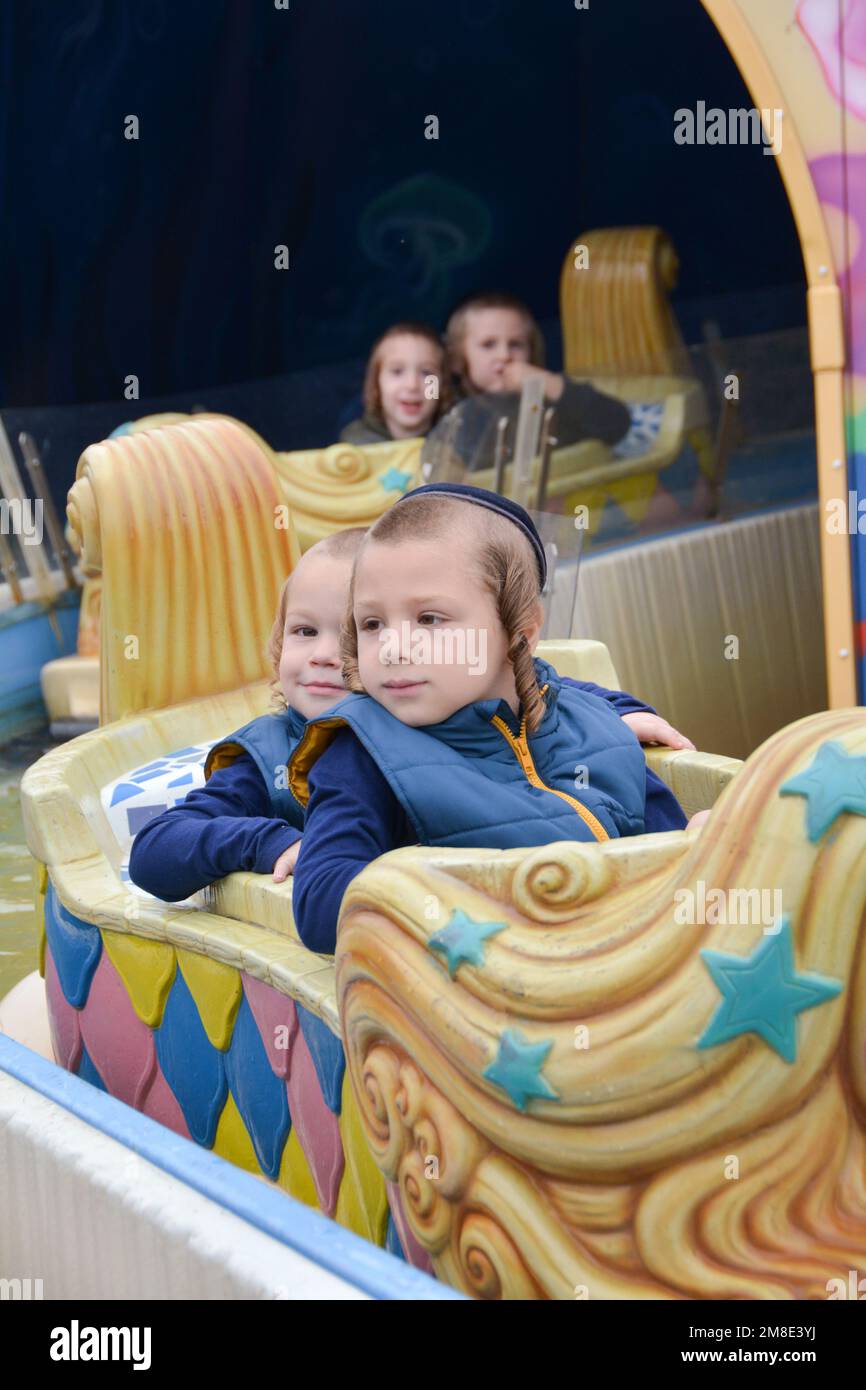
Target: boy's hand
pixel 515 373
pixel 285 865
pixel 651 728
pixel 697 820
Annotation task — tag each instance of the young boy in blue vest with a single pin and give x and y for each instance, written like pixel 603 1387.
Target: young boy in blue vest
pixel 246 817
pixel 437 751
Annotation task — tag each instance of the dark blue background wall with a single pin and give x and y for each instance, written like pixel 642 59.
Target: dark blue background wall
pixel 261 126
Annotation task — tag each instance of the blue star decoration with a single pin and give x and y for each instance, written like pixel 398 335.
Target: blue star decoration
pixel 835 782
pixel 763 994
pixel 395 481
pixel 462 939
pixel 517 1068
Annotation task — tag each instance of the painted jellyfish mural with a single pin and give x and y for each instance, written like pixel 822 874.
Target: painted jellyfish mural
pixel 420 232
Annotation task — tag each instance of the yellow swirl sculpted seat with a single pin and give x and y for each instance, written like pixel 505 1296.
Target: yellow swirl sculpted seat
pixel 329 488
pixel 634 1069
pixel 326 489
pixel 620 333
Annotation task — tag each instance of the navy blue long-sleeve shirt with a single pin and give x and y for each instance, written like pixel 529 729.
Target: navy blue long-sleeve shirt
pixel 216 830
pixel 227 825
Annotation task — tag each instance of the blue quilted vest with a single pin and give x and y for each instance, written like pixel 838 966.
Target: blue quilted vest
pixel 270 741
pixel 477 780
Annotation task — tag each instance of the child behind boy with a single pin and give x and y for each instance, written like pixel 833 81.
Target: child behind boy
pixel 244 817
pixel 494 345
pixel 405 386
pixel 436 752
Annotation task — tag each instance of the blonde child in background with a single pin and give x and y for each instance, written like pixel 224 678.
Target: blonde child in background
pixel 405 386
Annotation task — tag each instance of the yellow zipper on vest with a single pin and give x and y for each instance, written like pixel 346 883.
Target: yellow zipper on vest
pixel 521 751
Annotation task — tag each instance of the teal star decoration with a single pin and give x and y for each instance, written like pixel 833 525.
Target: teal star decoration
pixel 517 1068
pixel 763 993
pixel 462 939
pixel 395 481
pixel 835 782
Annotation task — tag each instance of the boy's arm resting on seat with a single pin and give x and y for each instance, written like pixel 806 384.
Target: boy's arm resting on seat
pixel 649 727
pixel 582 412
pixel 663 811
pixel 218 829
pixel 622 702
pixel 352 818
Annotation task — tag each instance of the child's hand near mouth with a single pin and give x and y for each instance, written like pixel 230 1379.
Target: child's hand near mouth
pixel 514 374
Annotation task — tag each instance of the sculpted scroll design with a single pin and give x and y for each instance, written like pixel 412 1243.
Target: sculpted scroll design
pixel 601 1117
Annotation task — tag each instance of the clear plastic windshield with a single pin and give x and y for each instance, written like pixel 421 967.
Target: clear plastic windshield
pixel 506 445
pixel 730 435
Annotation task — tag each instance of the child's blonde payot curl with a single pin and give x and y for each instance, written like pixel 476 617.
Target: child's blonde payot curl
pixel 349 644
pixel 274 649
pixel 509 570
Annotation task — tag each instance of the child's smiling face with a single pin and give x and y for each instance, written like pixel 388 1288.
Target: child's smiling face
pixel 311 676
pixel 406 364
pixel 430 639
pixel 493 338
